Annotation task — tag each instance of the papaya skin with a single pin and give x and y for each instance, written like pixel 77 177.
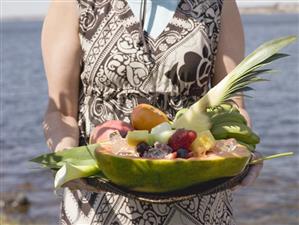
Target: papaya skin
pixel 164 175
pixel 145 117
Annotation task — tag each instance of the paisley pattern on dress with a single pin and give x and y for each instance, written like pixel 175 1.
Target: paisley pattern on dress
pixel 108 208
pixel 117 74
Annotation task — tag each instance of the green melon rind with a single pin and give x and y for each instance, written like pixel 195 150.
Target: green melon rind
pixel 158 176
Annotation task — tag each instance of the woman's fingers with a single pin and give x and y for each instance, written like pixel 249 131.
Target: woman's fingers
pixel 253 172
pixel 252 175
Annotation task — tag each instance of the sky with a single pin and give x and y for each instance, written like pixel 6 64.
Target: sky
pixel 38 8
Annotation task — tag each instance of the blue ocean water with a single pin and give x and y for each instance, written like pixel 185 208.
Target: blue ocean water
pixel 273 200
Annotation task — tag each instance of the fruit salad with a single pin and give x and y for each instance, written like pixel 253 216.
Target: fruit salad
pixel 156 137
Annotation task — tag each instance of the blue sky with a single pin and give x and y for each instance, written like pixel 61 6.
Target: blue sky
pixel 38 8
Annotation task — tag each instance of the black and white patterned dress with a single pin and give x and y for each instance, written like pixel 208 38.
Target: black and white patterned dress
pixel 117 75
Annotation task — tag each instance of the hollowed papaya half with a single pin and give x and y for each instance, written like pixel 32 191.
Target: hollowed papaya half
pixel 164 175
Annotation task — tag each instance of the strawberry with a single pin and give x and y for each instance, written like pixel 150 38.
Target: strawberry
pixel 182 139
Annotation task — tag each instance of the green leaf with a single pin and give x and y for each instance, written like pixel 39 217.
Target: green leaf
pixel 271 157
pixel 250 75
pixel 273 58
pixel 74 155
pixel 263 54
pixel 71 171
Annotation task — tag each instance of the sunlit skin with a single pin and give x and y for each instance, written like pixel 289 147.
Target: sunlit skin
pixel 62 55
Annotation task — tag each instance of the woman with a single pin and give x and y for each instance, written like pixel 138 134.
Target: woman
pixel 100 63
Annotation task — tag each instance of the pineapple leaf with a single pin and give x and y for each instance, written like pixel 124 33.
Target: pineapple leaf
pixel 239 79
pixel 269 60
pixel 250 76
pixel 248 89
pixel 264 54
pixel 275 57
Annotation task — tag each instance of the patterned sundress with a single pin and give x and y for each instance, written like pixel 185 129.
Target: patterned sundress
pixel 117 74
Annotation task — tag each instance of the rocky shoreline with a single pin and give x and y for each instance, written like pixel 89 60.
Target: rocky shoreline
pixel 272 9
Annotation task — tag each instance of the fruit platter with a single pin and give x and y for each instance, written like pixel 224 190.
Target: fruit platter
pixel 205 148
pixel 162 158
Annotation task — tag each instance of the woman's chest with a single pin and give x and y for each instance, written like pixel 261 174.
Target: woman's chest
pixel 179 61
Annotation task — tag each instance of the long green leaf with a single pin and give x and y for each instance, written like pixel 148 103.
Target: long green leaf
pixel 273 58
pixel 74 155
pixel 71 171
pixel 263 53
pixel 272 157
pixel 250 75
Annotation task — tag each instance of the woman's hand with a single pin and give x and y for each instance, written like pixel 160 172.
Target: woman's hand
pixel 254 171
pixel 61 132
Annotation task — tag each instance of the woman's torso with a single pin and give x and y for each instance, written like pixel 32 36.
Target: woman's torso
pixel 117 75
